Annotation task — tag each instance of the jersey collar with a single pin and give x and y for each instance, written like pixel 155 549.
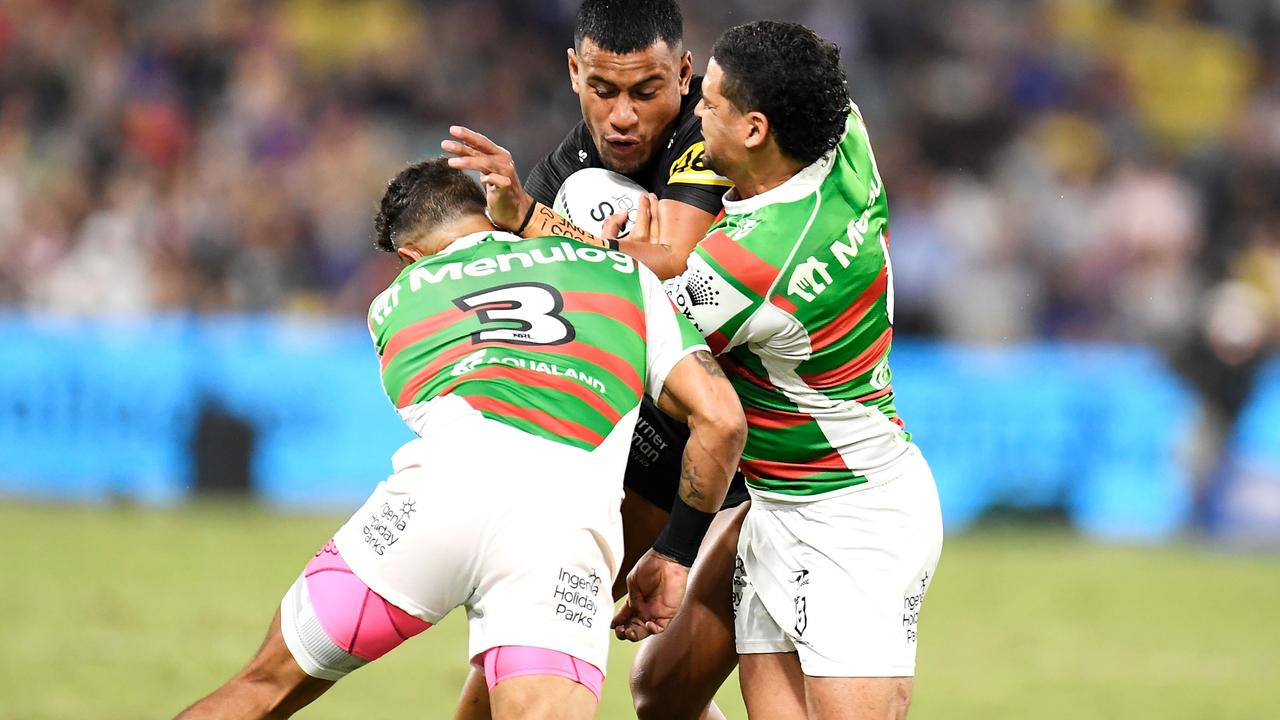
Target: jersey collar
pixel 476 238
pixel 798 186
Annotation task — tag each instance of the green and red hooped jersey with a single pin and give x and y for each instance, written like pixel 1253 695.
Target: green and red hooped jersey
pixel 550 336
pixel 794 292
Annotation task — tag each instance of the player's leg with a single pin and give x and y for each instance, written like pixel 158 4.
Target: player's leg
pixel 773 685
pixel 534 683
pixel 271 685
pixel 844 578
pixel 543 696
pixel 473 702
pixel 641 523
pixel 328 624
pixel 676 674
pixel 830 698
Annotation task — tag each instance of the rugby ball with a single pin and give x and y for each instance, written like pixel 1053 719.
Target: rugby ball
pixel 588 197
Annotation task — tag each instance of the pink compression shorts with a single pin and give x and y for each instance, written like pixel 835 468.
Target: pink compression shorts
pixel 508 661
pixel 354 617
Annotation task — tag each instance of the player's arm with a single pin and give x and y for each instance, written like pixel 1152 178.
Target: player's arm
pixel 691 198
pixel 696 392
pixel 510 207
pixel 513 209
pixel 666 246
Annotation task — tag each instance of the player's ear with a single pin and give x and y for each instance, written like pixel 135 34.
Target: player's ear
pixel 409 254
pixel 757 130
pixel 572 57
pixel 686 72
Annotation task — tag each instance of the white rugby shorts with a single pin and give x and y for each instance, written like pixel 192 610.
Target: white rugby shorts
pixel 840 579
pixel 522 531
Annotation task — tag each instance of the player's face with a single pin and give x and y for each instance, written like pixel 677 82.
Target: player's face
pixel 723 125
pixel 629 101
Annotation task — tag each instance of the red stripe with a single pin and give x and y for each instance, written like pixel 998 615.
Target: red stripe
pixel 844 323
pixel 533 378
pixel 740 263
pixel 737 369
pixel 783 303
pixel 717 342
pixel 551 423
pixel 620 309
pixel 769 469
pixel 875 395
pixel 769 419
pixel 414 332
pixel 855 367
pixel 610 362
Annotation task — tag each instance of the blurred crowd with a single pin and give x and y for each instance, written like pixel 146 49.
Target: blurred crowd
pixel 1084 169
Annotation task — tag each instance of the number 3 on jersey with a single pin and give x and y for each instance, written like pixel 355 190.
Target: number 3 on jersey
pixel 529 314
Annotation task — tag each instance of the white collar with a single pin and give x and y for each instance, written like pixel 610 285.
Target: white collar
pixel 476 238
pixel 796 187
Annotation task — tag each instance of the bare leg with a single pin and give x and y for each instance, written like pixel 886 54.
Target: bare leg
pixel 473 704
pixel 272 685
pixel 539 697
pixel 858 698
pixel 676 674
pixel 773 686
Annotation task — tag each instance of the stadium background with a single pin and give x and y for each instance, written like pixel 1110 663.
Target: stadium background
pixel 1085 206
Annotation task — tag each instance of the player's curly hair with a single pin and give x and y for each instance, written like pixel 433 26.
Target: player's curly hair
pixel 792 76
pixel 626 26
pixel 421 196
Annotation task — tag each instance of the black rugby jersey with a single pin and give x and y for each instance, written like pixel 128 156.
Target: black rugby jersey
pixel 676 172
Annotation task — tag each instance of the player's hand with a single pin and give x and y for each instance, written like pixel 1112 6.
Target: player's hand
pixel 507 201
pixel 655 589
pixel 645 229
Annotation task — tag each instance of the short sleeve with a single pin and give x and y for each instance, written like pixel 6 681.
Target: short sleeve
pixel 670 335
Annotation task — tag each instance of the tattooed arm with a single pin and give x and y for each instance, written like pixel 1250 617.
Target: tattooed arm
pixel 698 393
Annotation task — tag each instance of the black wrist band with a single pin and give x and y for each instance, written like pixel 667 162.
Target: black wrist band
pixel 527 217
pixel 611 243
pixel 683 534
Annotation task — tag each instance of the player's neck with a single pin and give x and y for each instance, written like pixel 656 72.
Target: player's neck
pixel 765 175
pixel 461 227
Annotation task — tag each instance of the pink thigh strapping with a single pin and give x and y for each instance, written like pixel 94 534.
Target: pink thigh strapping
pixel 508 661
pixel 356 618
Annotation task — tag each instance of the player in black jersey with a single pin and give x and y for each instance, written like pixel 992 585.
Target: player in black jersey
pixel 637 90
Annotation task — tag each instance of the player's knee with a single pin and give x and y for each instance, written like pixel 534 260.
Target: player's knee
pixel 655 699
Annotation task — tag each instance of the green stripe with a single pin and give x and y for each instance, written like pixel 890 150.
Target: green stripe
pixel 535 429
pixel 566 405
pixel 816 484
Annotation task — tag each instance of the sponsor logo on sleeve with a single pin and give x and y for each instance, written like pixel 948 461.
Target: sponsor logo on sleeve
pixel 691 168
pixel 704 297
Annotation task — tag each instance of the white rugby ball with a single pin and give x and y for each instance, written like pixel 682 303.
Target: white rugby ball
pixel 588 197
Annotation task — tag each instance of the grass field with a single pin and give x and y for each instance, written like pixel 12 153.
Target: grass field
pixel 128 613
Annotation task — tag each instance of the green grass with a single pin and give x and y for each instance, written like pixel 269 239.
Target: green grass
pixel 127 613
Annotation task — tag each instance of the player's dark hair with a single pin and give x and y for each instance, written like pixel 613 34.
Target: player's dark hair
pixel 626 26
pixel 792 76
pixel 422 196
